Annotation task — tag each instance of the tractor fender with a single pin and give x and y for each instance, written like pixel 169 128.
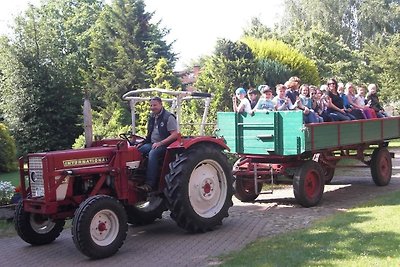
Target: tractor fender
pixel 186 143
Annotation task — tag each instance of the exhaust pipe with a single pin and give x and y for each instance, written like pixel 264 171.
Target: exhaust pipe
pixel 87 122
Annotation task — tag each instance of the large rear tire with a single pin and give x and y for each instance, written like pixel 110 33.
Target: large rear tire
pixel 99 227
pixel 146 212
pixel 199 188
pixel 308 184
pixel 381 166
pixel 36 229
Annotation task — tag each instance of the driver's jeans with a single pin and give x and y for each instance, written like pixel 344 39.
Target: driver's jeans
pixel 154 156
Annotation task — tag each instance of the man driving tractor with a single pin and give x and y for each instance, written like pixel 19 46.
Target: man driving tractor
pixel 162 130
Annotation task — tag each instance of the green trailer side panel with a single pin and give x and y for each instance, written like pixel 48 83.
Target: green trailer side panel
pixel 227 129
pixel 337 134
pixel 256 133
pixel 391 128
pixel 290 132
pixel 263 133
pixel 371 130
pixel 349 134
pixel 321 135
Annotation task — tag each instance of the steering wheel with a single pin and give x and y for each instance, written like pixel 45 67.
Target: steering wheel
pixel 125 137
pixel 131 139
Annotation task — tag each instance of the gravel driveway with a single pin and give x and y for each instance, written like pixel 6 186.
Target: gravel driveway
pixel 164 244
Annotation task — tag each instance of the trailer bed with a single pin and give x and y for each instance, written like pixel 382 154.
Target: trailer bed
pixel 284 133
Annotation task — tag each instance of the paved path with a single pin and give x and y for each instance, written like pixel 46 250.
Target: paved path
pixel 164 244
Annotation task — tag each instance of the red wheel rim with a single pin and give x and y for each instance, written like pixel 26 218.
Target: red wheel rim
pixel 311 184
pixel 384 167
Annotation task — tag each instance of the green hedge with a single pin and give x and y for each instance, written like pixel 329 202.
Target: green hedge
pixel 8 160
pixel 303 67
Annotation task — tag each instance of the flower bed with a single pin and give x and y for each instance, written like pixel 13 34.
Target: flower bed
pixel 9 196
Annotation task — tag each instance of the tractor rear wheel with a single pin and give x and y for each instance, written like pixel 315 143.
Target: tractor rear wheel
pixel 381 166
pixel 36 229
pixel 199 188
pixel 99 227
pixel 308 184
pixel 146 212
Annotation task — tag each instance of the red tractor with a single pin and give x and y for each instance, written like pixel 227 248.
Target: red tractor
pixel 97 186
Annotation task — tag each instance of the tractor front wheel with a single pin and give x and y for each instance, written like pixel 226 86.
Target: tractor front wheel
pixel 36 229
pixel 308 184
pixel 146 212
pixel 99 227
pixel 199 188
pixel 245 189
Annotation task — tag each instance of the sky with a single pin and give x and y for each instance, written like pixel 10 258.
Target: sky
pixel 195 25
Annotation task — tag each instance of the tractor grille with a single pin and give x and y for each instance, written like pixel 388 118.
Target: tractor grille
pixel 36 176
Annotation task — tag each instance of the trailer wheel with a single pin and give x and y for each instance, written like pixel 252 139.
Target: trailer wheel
pixel 244 189
pixel 99 227
pixel 328 173
pixel 308 184
pixel 199 188
pixel 146 212
pixel 381 166
pixel 36 229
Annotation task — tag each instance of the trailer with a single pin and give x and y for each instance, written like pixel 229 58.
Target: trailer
pixel 276 147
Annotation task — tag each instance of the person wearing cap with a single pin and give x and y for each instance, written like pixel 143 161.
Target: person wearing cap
pixel 244 105
pixel 253 97
pixel 266 100
pixel 162 130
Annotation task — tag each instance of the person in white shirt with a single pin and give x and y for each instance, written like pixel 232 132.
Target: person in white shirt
pixel 244 105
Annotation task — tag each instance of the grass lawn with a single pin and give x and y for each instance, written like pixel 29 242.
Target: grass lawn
pixel 365 236
pixel 13 177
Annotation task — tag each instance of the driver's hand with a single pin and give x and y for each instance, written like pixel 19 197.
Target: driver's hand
pixel 155 145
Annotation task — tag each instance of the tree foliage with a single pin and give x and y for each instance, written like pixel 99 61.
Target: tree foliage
pixel 231 66
pixel 40 86
pixel 124 50
pixel 271 72
pixel 126 53
pixel 66 49
pixel 333 57
pixel 8 160
pixel 354 21
pixel 384 57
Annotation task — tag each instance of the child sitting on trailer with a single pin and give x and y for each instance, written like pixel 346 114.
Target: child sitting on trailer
pixel 244 105
pixel 305 104
pixel 266 100
pixel 282 102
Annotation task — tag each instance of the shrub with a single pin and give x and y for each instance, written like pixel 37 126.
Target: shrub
pixel 7 150
pixel 272 72
pixel 7 191
pixel 301 66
